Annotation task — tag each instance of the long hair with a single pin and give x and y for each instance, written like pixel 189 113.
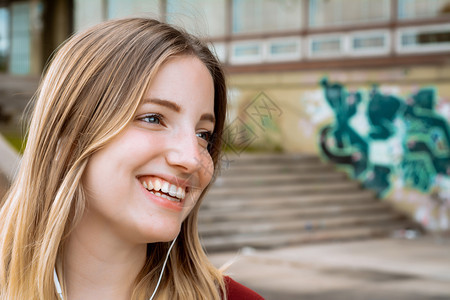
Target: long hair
pixel 89 93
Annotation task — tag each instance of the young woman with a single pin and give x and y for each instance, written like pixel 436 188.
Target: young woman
pixel 123 141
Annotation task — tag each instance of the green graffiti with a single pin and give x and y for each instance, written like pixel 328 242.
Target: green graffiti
pixel 427 132
pixel 406 137
pixel 417 171
pixel 352 148
pixel 382 111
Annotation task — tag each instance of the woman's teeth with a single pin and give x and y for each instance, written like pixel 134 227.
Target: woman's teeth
pixel 156 185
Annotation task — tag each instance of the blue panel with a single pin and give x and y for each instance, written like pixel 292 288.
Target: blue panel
pixel 4 37
pixel 20 38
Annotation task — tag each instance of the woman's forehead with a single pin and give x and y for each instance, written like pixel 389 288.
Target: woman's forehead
pixel 183 81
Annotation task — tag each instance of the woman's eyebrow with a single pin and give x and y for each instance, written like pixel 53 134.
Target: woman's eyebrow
pixel 175 107
pixel 169 104
pixel 208 117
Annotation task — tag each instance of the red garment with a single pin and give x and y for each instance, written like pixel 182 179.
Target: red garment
pixel 236 291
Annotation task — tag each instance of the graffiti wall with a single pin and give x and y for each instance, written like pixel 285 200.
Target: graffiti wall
pixel 387 128
pixel 396 146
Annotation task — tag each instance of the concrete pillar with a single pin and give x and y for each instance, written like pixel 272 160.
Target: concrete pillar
pixel 57 25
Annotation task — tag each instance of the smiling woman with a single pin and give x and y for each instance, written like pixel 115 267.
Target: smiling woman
pixel 123 144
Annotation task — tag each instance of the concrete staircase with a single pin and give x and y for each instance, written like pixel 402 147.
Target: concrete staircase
pixel 267 201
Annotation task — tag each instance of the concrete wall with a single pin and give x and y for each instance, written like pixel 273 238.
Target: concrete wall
pixel 388 128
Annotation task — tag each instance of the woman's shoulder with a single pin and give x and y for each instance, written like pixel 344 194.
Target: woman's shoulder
pixel 236 291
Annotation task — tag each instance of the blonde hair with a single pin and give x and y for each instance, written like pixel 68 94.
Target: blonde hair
pixel 89 93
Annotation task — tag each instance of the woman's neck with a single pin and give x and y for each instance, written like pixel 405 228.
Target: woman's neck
pixel 98 266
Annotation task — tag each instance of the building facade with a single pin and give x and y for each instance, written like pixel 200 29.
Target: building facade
pixel 362 83
pixel 30 31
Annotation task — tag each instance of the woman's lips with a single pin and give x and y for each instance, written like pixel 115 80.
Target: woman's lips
pixel 158 185
pixel 164 193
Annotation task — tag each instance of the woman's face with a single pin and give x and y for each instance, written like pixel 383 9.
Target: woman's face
pixel 143 183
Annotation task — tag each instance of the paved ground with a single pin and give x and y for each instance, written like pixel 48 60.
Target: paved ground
pixel 367 270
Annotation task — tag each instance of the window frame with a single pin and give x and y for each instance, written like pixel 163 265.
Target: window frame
pixel 417 48
pixel 246 59
pixel 370 51
pixel 343 45
pixel 294 56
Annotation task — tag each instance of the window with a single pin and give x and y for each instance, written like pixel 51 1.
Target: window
pixel 369 43
pixel 254 16
pixel 270 50
pixel 323 13
pixel 20 38
pixel 415 9
pixel 4 38
pixel 326 46
pixel 283 49
pixel 200 17
pixel 121 9
pixel 424 39
pixel 247 52
pixel 88 13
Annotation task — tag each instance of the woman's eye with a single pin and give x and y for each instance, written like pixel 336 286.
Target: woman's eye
pixel 152 119
pixel 206 135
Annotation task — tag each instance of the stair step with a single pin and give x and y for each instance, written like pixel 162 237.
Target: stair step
pixel 261 179
pixel 298 225
pixel 297 189
pixel 273 200
pixel 297 212
pixel 264 158
pixel 238 202
pixel 276 169
pixel 278 239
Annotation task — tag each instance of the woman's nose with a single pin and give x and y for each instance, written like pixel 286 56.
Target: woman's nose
pixel 185 153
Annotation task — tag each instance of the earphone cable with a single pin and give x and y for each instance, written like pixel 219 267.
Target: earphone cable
pixel 163 267
pixel 59 289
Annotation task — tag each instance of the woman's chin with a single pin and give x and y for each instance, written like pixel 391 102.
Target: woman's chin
pixel 166 235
